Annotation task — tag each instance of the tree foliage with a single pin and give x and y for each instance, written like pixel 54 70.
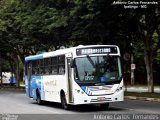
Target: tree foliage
pixel 31 26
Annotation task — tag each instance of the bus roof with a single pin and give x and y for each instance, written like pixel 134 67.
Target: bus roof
pixel 63 51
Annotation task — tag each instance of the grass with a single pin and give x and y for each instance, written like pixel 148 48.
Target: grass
pixel 143 94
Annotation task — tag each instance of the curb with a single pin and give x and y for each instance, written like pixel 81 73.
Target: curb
pixel 11 88
pixel 142 98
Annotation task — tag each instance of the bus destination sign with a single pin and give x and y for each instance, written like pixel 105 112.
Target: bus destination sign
pixel 96 50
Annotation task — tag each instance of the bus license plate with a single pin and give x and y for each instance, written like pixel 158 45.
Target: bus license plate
pixel 100 98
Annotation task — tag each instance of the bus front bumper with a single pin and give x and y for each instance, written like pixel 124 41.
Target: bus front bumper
pixel 99 99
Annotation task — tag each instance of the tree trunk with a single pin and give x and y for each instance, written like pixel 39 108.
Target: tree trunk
pixel 16 69
pixel 1 76
pixel 17 74
pixel 149 69
pixel 132 71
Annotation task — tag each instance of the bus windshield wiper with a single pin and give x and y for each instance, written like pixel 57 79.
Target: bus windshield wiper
pixel 91 61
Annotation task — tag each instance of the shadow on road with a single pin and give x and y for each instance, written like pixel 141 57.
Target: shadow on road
pixel 81 108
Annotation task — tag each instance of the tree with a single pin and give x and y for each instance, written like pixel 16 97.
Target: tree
pixel 31 26
pixel 88 21
pixel 13 41
pixel 147 27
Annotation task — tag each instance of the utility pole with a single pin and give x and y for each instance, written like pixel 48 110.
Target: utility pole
pixel 1 69
pixel 132 66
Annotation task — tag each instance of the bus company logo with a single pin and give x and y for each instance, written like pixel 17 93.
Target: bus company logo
pixel 50 83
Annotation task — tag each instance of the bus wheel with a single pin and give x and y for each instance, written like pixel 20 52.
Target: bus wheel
pixel 39 101
pixel 64 102
pixel 104 106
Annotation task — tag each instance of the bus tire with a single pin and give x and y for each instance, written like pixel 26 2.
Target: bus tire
pixel 39 101
pixel 64 102
pixel 104 106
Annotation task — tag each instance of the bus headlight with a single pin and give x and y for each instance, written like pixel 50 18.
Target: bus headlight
pixel 82 92
pixel 120 88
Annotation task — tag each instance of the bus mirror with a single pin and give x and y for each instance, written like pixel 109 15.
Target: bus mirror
pixel 72 63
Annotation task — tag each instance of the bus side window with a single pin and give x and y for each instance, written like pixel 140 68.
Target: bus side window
pixel 37 67
pixel 26 66
pixel 47 64
pixel 33 67
pixel 61 64
pixel 50 66
pixel 54 66
pixel 41 67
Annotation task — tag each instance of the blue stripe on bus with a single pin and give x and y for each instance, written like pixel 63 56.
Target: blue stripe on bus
pixel 86 90
pixel 34 57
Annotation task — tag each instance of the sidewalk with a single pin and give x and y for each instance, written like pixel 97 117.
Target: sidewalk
pixel 21 87
pixel 141 90
pixel 142 98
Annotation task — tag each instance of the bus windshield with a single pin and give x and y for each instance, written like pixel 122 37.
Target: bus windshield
pixel 98 70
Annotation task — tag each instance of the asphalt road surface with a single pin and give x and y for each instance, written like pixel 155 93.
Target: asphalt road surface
pixel 15 105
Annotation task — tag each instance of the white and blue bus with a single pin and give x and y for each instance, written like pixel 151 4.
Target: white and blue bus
pixel 79 75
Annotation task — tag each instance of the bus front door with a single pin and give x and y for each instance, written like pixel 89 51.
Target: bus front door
pixel 29 72
pixel 70 90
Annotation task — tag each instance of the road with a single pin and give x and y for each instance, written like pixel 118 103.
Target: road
pixel 14 103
